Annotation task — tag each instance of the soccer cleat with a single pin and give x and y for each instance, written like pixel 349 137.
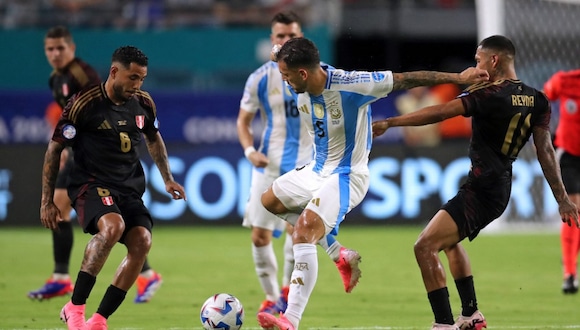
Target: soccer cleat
pixel 437 326
pixel 282 302
pixel 347 265
pixel 146 287
pixel 73 316
pixel 97 322
pixel 52 288
pixel 570 285
pixel 474 322
pixel 269 321
pixel 269 307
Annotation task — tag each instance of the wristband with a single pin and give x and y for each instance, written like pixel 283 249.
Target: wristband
pixel 248 151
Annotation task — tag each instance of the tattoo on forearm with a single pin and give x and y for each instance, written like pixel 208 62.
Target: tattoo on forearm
pixel 158 152
pixel 50 170
pixel 408 80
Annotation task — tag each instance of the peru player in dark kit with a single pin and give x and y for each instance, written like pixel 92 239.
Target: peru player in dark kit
pixel 505 113
pixel 104 125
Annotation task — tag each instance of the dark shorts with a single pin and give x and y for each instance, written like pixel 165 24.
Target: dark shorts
pixel 92 201
pixel 570 167
pixel 64 173
pixel 477 205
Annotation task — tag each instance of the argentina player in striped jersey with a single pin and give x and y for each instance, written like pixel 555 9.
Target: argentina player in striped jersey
pixel 284 145
pixel 334 105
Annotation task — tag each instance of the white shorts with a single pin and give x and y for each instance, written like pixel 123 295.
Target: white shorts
pixel 331 197
pixel 256 215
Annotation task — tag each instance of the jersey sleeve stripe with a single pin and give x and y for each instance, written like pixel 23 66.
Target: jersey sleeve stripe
pixel 82 101
pixel 79 74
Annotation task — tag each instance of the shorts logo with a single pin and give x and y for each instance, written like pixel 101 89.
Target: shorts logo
pixel 378 77
pixel 108 201
pixel 69 132
pixel 140 121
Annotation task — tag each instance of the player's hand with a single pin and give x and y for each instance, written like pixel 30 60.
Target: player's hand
pixel 473 75
pixel 380 127
pixel 175 190
pixel 569 213
pixel 50 215
pixel 274 53
pixel 258 159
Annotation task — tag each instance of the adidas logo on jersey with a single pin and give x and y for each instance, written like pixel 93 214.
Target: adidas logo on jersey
pixel 105 125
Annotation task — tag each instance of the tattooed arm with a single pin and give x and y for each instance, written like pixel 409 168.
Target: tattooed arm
pixel 49 213
pixel 158 152
pixel 407 80
pixel 547 158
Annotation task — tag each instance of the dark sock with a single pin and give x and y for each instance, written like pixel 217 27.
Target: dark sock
pixel 440 305
pixel 111 301
pixel 83 287
pixel 466 291
pixel 62 242
pixel 146 266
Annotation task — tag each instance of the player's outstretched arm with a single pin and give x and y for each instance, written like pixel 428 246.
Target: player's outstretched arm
pixel 407 80
pixel 49 213
pixel 158 152
pixel 547 158
pixel 424 116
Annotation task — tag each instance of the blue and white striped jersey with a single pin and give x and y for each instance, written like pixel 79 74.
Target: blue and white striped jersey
pixel 285 140
pixel 340 118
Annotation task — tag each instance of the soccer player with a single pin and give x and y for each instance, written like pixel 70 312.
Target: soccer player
pixel 285 145
pixel 335 106
pixel 104 125
pixel 505 113
pixel 565 88
pixel 69 76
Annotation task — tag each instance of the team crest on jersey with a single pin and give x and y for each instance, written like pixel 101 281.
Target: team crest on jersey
pixel 69 132
pixel 571 107
pixel 108 200
pixel 65 89
pixel 140 121
pixel 318 110
pixel 378 77
pixel 335 114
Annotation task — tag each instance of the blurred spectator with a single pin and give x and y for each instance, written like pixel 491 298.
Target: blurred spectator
pixel 414 99
pixel 458 127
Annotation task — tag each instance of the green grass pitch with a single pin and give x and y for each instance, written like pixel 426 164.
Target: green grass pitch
pixel 517 277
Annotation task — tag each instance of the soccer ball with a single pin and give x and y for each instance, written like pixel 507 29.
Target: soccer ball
pixel 222 311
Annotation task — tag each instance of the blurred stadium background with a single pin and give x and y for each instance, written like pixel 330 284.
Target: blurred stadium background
pixel 201 52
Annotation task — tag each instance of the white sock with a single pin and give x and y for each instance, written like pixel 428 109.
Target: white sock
pixel 288 260
pixel 331 246
pixel 267 270
pixel 303 281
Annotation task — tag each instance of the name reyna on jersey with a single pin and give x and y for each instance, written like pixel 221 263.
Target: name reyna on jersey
pixel 522 100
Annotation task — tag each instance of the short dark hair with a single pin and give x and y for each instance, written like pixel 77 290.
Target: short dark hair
pixel 298 52
pixel 130 54
pixel 59 31
pixel 499 43
pixel 286 17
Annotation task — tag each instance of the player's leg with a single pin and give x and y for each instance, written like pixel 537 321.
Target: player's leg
pixel 264 226
pixel 460 267
pixel 440 233
pixel 106 232
pixel 137 239
pixel 570 235
pixel 59 283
